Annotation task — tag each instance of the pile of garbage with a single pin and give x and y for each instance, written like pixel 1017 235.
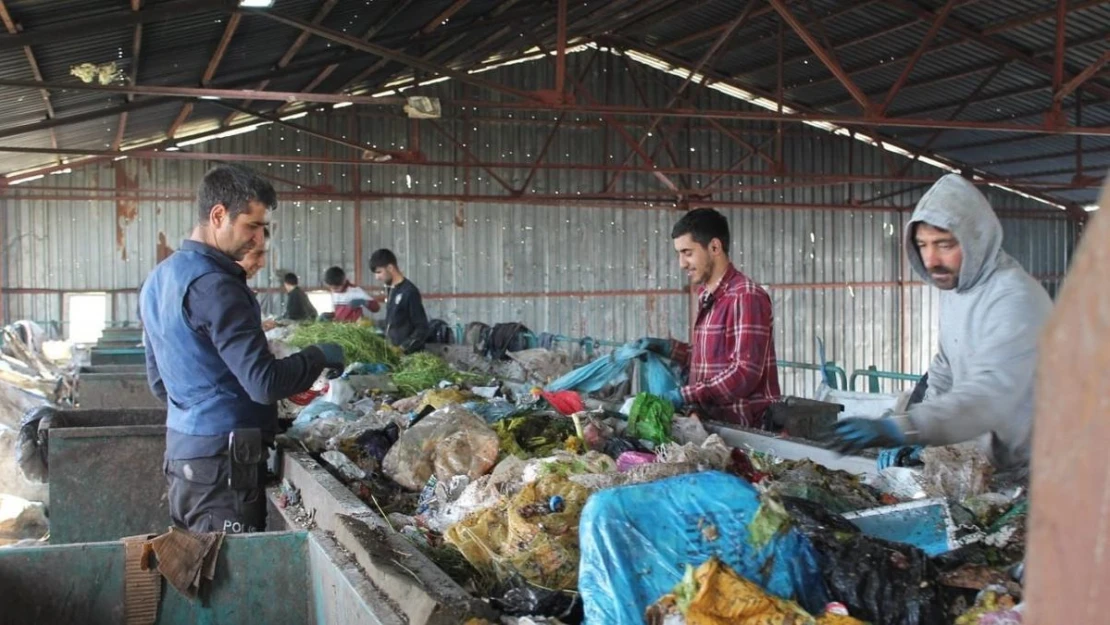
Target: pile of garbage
pixel 548 503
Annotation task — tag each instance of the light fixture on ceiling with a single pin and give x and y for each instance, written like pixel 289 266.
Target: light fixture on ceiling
pixel 256 4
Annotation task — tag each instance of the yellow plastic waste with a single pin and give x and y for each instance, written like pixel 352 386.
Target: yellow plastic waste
pixel 715 595
pixel 444 397
pixel 525 536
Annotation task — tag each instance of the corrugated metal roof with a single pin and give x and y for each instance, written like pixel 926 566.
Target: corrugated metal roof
pixel 872 41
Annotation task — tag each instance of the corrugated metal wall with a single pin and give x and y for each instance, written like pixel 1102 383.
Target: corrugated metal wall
pixel 590 269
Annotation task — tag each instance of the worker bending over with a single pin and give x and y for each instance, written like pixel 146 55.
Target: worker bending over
pixel 991 316
pixel 207 357
pixel 733 376
pixel 349 302
pixel 406 322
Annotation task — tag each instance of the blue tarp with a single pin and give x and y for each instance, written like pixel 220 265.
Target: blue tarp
pixel 637 540
pixel 657 376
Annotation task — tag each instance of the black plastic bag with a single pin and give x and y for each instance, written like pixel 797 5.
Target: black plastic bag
pixel 519 598
pixel 30 450
pixel 881 582
pixel 376 443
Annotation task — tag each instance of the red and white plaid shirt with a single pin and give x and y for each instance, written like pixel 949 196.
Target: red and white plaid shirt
pixel 733 374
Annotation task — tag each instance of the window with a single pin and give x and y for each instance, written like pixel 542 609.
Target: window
pixel 86 316
pixel 321 301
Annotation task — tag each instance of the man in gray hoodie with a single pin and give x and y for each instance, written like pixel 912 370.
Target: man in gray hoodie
pixel 991 316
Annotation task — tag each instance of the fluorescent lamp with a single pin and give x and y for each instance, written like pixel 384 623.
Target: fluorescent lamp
pixel 256 4
pixel 343 105
pixel 27 179
pixel 173 148
pixel 295 116
pixel 209 97
pixel 67 170
pixel 222 135
pixel 120 158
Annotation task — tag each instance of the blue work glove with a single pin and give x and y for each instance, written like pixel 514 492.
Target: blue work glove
pixel 663 347
pixel 855 434
pixel 358 303
pixel 900 456
pixel 334 357
pixel 675 397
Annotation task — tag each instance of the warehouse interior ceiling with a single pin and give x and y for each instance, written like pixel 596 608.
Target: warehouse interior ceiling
pixel 1015 93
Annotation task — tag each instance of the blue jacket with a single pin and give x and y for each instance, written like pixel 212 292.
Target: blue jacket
pixel 206 353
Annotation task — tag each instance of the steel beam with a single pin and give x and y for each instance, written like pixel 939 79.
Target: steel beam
pixel 820 52
pixel 367 152
pixel 934 29
pixel 393 55
pixel 960 109
pixel 139 104
pixel 321 13
pixel 968 31
pixel 869 67
pixel 801 179
pixel 10 26
pixel 1040 16
pixel 799 117
pixel 1081 77
pixel 207 93
pixel 133 75
pixel 209 71
pixel 81 25
pixel 438 20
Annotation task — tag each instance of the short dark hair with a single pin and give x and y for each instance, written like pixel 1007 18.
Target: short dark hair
pixel 291 279
pixel 235 187
pixel 704 225
pixel 382 258
pixel 335 276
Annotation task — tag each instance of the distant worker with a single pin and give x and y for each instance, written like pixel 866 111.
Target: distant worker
pixel 991 314
pixel 733 375
pixel 207 357
pixel 406 322
pixel 350 302
pixel 297 305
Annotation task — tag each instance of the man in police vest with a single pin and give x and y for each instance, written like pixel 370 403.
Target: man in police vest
pixel 208 358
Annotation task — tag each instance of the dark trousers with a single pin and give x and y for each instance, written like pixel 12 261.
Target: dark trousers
pixel 202 499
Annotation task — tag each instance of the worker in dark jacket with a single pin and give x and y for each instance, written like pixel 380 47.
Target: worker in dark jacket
pixel 297 305
pixel 406 322
pixel 207 357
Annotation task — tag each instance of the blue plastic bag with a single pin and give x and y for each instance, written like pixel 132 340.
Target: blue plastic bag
pixel 656 375
pixel 637 540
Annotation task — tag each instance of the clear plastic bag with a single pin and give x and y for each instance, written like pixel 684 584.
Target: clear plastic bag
pixel 448 442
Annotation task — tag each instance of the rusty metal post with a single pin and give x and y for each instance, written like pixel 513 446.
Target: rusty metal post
pixel 1067 562
pixel 561 52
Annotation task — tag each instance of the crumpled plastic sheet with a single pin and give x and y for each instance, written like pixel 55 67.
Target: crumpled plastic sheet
pixel 688 430
pixel 881 582
pixel 524 536
pixel 636 541
pixel 448 442
pixel 955 472
pixel 714 594
pixel 567 464
pixel 656 375
pixel 712 453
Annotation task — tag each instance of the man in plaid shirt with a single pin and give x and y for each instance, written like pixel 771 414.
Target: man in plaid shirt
pixel 731 361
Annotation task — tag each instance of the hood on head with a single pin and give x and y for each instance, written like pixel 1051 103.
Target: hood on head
pixel 954 204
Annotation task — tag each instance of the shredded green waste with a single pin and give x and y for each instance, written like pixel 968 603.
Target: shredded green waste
pixel 650 419
pixel 359 343
pixel 421 371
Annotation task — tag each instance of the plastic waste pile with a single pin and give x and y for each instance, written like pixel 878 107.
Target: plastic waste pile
pixel 560 508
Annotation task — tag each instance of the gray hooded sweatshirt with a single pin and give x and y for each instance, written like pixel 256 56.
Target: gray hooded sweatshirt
pixel 981 379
